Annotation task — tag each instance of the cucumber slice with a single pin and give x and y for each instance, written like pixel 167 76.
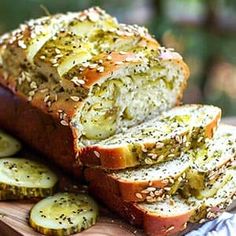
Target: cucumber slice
pixel 8 145
pixel 8 195
pixel 63 214
pixel 28 178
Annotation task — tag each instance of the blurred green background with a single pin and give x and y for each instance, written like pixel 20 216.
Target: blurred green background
pixel 203 31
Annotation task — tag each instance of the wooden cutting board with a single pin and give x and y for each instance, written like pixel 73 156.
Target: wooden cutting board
pixel 14 217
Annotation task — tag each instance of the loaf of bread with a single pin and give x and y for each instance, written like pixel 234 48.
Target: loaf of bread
pixel 96 95
pixel 72 80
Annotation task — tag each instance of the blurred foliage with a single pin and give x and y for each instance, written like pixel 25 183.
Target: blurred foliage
pixel 203 31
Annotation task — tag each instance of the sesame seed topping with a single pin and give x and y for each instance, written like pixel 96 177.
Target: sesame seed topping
pixel 139 195
pixel 170 229
pixel 159 145
pixel 100 69
pixel 77 81
pixel 58 51
pixel 42 57
pixel 93 16
pixel 65 123
pixel 21 44
pixel 109 57
pixel 119 63
pixel 75 98
pixel 97 154
pixel 122 52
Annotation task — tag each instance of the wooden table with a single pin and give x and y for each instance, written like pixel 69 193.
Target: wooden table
pixel 14 217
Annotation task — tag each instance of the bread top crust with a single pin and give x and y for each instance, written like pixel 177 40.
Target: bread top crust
pixel 68 104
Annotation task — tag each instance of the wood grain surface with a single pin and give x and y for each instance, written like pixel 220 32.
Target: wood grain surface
pixel 14 215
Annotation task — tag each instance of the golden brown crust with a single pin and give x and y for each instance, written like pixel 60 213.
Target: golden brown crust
pixel 39 130
pixel 111 62
pixel 129 191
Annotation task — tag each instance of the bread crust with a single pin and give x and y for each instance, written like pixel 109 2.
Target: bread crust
pixel 153 224
pixel 39 130
pixel 129 191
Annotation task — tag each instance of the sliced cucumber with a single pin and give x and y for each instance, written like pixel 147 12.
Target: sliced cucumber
pixel 8 145
pixel 28 178
pixel 9 195
pixel 63 214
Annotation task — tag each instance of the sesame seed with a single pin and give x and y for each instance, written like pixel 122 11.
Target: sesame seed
pixel 119 63
pixel 77 81
pixel 159 145
pixel 93 16
pixel 150 199
pixel 44 90
pixel 75 98
pixel 97 154
pixel 33 85
pixel 158 192
pixel 31 93
pixel 58 51
pixel 171 155
pixel 53 60
pixel 46 98
pixel 100 69
pixel 109 58
pixel 170 229
pixel 150 189
pixel 139 195
pixel 144 149
pixel 42 57
pixel 21 44
pixel 148 161
pixel 63 122
pixel 122 52
pixel 93 66
pixel 167 188
pixel 129 59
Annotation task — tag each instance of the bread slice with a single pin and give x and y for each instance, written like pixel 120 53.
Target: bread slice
pixel 149 183
pixel 157 140
pixel 169 216
pixel 211 161
pixel 192 172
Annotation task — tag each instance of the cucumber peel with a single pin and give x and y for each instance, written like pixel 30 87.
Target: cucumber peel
pixel 63 214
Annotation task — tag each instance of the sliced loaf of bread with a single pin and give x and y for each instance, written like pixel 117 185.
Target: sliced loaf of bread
pixel 157 140
pixel 192 172
pixel 169 216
